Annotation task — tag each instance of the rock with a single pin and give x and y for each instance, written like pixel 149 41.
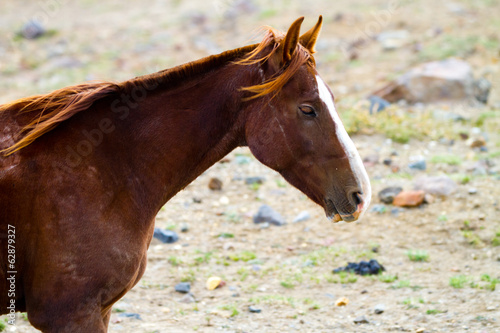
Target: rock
pixel 184 227
pixel 32 30
pixel 380 209
pixel 391 40
pixel 418 165
pixel 436 185
pixel 387 161
pixel 130 315
pixel 183 287
pixel 388 194
pixel 409 199
pixel 187 299
pixel 377 104
pixel 253 309
pixel 302 216
pixel 213 282
pixel 254 180
pixel 372 267
pixel 379 308
pixel 370 160
pixel 476 143
pixel 343 301
pixel 215 184
pixel 267 214
pixel 482 89
pixel 420 330
pixel 472 190
pixel 445 80
pixel 165 236
pixel 429 198
pixel 197 200
pixel 361 320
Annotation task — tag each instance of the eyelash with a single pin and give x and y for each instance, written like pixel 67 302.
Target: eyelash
pixel 308 110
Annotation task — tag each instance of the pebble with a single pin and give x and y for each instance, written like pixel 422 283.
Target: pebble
pixel 130 315
pixel 184 227
pixel 197 200
pixel 187 299
pixel 254 180
pixel 215 184
pixel 361 320
pixel 343 301
pixel 378 209
pixel 213 282
pixel 409 199
pixel 183 287
pixel 388 194
pixel 269 215
pixel 418 165
pixel 379 308
pixel 32 30
pixel 253 309
pixel 436 185
pixel 387 161
pixel 472 190
pixel 302 216
pixel 166 236
pixel 371 267
pixel 420 330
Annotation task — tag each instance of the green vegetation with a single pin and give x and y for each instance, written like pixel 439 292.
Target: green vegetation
pixel 343 278
pixel 495 241
pixel 225 235
pixel 459 281
pixel 231 308
pixel 472 238
pixel 243 256
pixel 174 261
pixel 418 255
pixel 387 278
pixel 189 276
pixel 446 159
pixel 433 311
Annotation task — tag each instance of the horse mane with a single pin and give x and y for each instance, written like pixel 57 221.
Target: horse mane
pixel 54 108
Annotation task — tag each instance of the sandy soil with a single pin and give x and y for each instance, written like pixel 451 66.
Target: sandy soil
pixel 286 271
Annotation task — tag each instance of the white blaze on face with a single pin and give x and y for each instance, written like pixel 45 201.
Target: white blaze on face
pixel 355 162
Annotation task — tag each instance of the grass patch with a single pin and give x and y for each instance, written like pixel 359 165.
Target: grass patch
pixel 459 281
pixel 447 159
pixel 174 261
pixel 387 278
pixel 274 299
pixel 433 311
pixel 243 256
pixel 418 255
pixel 495 241
pixel 231 308
pixel 225 235
pixel 189 277
pixel 472 238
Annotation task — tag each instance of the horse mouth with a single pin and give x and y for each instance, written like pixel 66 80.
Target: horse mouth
pixel 333 214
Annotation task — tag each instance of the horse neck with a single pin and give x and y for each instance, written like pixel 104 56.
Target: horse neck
pixel 179 133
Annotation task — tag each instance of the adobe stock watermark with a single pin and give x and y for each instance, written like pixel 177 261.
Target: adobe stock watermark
pixel 11 274
pixel 380 20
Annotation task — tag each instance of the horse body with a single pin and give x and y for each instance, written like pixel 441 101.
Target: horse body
pixel 83 196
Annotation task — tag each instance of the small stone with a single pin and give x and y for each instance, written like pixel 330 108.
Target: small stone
pixel 183 287
pixel 472 190
pixel 377 104
pixel 302 216
pixel 343 301
pixel 388 194
pixel 224 200
pixel 253 309
pixel 361 320
pixel 130 315
pixel 166 236
pixel 429 198
pixel 215 184
pixel 438 185
pixel 32 30
pixel 420 330
pixel 476 143
pixel 187 299
pixel 409 199
pixel 267 214
pixel 254 180
pixel 387 161
pixel 370 160
pixel 264 225
pixel 184 227
pixel 380 209
pixel 418 165
pixel 379 308
pixel 213 282
pixel 491 308
pixel 197 200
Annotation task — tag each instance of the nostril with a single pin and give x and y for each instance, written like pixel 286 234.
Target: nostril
pixel 357 198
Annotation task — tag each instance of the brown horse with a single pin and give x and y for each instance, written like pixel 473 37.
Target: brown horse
pixel 85 169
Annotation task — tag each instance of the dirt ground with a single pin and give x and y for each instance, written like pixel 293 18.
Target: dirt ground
pixel 286 271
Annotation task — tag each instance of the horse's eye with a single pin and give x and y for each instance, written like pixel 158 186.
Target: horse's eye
pixel 308 110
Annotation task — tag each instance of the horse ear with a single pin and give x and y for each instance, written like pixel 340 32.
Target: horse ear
pixel 309 39
pixel 291 39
